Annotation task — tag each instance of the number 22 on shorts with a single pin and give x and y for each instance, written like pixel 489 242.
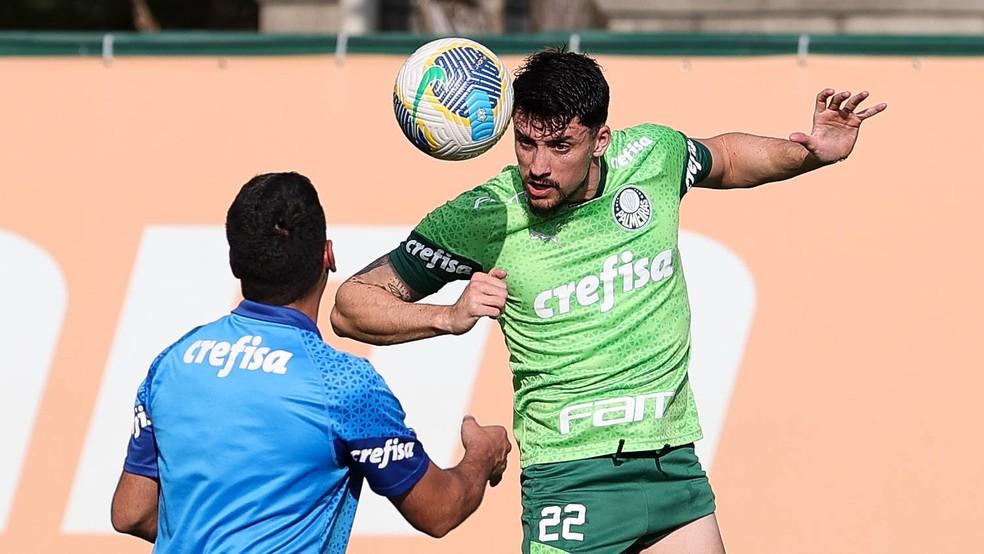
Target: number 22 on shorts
pixel 550 517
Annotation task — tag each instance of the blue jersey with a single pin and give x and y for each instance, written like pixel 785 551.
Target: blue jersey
pixel 261 434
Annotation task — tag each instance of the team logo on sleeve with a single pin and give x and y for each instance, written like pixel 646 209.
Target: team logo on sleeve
pixel 693 166
pixel 381 456
pixel 436 258
pixel 140 421
pixel 631 208
pixel 391 465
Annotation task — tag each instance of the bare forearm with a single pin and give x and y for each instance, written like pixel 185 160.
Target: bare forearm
pixel 370 314
pixel 751 160
pixel 146 530
pixel 377 306
pixel 445 498
pixel 468 480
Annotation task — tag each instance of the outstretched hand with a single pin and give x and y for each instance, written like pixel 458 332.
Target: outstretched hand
pixel 835 125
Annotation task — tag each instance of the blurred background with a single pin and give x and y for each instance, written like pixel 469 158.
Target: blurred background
pixel 837 361
pixel 500 16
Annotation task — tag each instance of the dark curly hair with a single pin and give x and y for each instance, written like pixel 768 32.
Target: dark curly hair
pixel 276 233
pixel 555 86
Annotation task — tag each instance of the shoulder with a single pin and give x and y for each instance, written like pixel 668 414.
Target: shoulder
pixel 177 347
pixel 155 369
pixel 640 142
pixel 645 134
pixel 487 198
pixel 324 356
pixel 474 224
pixel 358 401
pixel 343 373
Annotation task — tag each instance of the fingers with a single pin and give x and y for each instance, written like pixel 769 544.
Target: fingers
pixel 837 99
pixel 822 99
pixel 487 443
pixel 852 102
pixel 828 99
pixel 505 447
pixel 875 110
pixel 496 476
pixel 487 302
pixel 489 292
pixel 484 296
pixel 494 278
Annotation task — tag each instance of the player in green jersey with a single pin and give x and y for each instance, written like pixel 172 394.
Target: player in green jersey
pixel 574 251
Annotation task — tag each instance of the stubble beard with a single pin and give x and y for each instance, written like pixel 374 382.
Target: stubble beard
pixel 550 206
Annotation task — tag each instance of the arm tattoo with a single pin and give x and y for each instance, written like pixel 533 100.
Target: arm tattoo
pixel 395 286
pixel 398 288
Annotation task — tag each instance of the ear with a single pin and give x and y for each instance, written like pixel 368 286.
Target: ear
pixel 602 140
pixel 329 257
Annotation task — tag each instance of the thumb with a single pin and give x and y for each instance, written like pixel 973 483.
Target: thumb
pixel 469 427
pixel 801 138
pixel 498 273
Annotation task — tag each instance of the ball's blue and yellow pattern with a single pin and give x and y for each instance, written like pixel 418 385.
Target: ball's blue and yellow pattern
pixel 453 98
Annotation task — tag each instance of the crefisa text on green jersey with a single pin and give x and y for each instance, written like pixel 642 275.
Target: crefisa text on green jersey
pixel 600 289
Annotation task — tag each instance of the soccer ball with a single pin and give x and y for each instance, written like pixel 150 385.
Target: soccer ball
pixel 453 98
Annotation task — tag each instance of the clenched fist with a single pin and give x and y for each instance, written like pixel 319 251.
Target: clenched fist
pixel 484 296
pixel 489 445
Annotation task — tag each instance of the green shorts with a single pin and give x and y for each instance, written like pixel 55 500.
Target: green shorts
pixel 612 504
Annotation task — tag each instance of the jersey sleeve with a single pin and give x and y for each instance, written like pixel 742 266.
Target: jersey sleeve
pixel 141 453
pixel 452 242
pixel 696 165
pixel 372 436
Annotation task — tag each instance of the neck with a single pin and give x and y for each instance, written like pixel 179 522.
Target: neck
pixel 592 182
pixel 310 303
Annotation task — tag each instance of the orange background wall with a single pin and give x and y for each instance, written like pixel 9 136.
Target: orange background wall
pixel 854 424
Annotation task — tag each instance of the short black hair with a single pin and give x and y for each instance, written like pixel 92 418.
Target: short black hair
pixel 555 86
pixel 276 233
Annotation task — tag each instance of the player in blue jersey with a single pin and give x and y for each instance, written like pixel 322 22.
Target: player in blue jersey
pixel 251 434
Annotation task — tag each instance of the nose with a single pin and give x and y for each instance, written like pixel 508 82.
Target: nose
pixel 540 166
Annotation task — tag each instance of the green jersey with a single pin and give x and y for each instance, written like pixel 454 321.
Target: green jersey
pixel 597 321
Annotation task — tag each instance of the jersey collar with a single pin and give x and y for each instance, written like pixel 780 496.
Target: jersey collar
pixel 276 314
pixel 603 180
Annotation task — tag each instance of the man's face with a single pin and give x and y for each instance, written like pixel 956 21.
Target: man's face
pixel 554 166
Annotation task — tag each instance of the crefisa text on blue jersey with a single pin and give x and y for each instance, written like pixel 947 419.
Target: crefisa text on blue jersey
pixel 225 355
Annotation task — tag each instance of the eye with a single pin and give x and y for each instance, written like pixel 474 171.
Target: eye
pixel 562 148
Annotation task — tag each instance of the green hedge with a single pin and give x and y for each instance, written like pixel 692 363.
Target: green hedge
pixel 596 42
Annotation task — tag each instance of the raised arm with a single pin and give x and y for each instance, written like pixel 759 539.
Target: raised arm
pixel 378 307
pixel 743 161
